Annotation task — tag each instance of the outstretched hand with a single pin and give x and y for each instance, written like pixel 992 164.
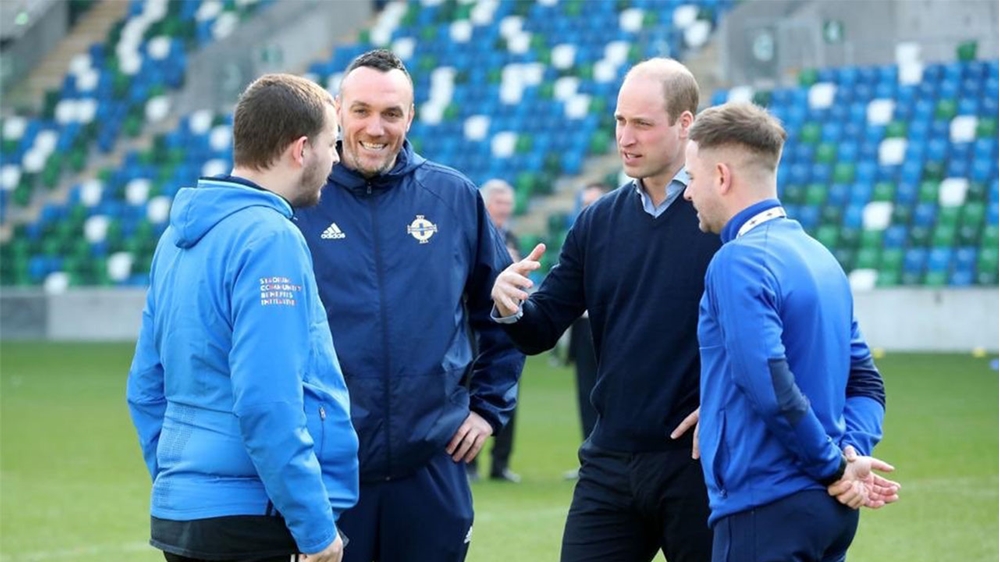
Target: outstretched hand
pixel 511 286
pixel 860 486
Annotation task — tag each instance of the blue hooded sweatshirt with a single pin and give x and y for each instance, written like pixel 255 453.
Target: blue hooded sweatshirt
pixel 235 389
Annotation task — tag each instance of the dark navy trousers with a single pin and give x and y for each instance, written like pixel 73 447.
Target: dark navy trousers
pixel 808 526
pixel 626 507
pixel 424 517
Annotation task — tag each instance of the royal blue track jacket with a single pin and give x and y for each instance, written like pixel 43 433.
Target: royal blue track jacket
pixel 405 263
pixel 235 388
pixel 787 378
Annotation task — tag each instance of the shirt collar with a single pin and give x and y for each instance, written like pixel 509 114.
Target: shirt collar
pixel 732 227
pixel 674 189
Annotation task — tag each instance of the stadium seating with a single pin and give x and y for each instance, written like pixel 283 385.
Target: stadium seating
pixel 903 175
pixel 897 177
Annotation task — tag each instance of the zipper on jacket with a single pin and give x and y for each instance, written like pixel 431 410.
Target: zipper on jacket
pixel 322 431
pixel 385 334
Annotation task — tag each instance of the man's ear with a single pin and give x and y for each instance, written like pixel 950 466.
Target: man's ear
pixel 298 150
pixel 724 177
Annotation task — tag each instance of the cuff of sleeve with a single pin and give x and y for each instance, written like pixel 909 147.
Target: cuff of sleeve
pixel 836 476
pixel 495 316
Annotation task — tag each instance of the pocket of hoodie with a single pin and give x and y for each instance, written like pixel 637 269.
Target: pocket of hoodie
pixel 327 423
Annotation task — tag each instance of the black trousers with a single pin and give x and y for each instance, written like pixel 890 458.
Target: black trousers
pixel 626 507
pixel 809 526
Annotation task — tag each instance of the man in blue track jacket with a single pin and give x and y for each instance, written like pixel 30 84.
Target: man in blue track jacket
pixel 235 389
pixel 790 395
pixel 405 256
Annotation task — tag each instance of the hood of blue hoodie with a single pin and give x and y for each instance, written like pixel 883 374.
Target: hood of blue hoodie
pixel 196 210
pixel 406 161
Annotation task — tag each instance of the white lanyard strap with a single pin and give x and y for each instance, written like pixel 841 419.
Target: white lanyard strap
pixel 760 218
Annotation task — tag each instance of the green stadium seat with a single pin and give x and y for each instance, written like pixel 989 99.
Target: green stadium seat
pixel 966 51
pixel 986 128
pixel 867 258
pixel 967 235
pixel 808 77
pixel 871 239
pixel 911 278
pixel 826 153
pixel 976 192
pixel 943 235
pixel 793 194
pixel 831 214
pixel 884 191
pixel 888 278
pixel 901 214
pixel 810 133
pixel 846 257
pixel 991 236
pixel 936 279
pixel 973 214
pixel 849 238
pixel 946 110
pixel 843 172
pixel 934 171
pixel 816 194
pixel 948 216
pixel 896 130
pixel 828 235
pixel 929 191
pixel 920 236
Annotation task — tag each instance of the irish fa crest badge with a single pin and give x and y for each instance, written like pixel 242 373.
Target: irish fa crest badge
pixel 421 229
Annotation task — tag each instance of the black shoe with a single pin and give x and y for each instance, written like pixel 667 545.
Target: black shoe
pixel 506 475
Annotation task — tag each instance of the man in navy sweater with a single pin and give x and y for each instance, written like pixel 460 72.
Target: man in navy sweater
pixel 635 260
pixel 790 395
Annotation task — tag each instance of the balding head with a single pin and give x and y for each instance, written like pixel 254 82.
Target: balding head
pixel 680 89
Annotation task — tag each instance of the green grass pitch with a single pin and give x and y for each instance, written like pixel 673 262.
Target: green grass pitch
pixel 73 486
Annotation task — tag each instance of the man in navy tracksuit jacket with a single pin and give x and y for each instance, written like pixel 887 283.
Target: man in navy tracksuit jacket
pixel 788 382
pixel 405 257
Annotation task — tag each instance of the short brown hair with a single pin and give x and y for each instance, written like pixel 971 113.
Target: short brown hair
pixel 382 60
pixel 680 89
pixel 274 111
pixel 744 125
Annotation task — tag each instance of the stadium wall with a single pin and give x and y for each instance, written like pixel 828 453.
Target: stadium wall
pixel 896 319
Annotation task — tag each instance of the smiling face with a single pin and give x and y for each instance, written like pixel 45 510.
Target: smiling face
pixel 375 109
pixel 650 141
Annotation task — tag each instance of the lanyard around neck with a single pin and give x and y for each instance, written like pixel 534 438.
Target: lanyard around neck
pixel 760 218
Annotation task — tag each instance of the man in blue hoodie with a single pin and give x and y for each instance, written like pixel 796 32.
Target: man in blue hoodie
pixel 790 396
pixel 235 389
pixel 405 256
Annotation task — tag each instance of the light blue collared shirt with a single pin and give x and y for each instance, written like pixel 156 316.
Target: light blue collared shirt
pixel 674 190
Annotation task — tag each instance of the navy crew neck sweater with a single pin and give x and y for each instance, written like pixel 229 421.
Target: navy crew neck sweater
pixel 641 279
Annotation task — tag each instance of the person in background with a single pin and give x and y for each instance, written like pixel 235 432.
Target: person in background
pixel 235 388
pixel 405 257
pixel 581 346
pixel 498 196
pixel 635 261
pixel 791 399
